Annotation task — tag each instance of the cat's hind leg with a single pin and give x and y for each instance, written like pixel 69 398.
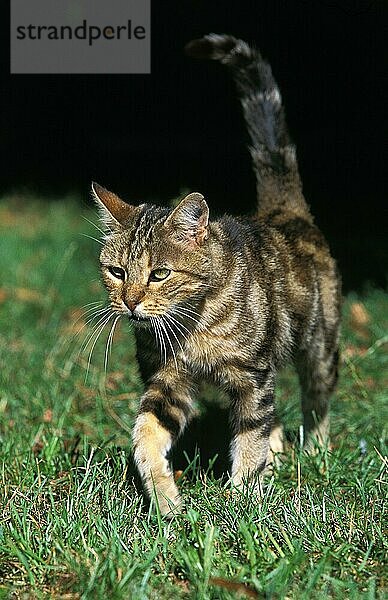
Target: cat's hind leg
pixel 252 417
pixel 317 369
pixel 276 443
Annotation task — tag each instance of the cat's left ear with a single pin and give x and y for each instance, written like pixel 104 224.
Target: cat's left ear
pixel 114 212
pixel 189 221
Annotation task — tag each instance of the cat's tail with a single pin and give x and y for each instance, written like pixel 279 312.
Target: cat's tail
pixel 273 154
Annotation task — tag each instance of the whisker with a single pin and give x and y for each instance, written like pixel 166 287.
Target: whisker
pixel 94 329
pixel 84 314
pixel 170 325
pixel 152 321
pixel 157 335
pixel 97 312
pixel 92 238
pixel 186 315
pixel 188 311
pixel 162 324
pixel 190 308
pixel 90 314
pixel 91 304
pixel 109 342
pixel 101 318
pixel 159 339
pixel 94 225
pixel 178 325
pixel 162 341
pixel 98 315
pixel 100 330
pixel 66 341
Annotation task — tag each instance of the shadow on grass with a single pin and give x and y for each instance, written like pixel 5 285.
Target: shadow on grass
pixel 203 446
pixel 207 436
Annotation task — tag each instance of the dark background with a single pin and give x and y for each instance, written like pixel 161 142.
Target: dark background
pixel 148 137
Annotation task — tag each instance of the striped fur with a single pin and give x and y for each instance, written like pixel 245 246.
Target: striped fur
pixel 229 300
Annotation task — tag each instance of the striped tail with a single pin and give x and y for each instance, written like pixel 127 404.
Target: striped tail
pixel 273 154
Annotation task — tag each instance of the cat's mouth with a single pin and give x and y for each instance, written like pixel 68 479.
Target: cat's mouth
pixel 139 320
pixel 135 314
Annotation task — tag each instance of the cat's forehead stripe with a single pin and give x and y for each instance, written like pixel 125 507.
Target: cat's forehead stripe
pixel 149 218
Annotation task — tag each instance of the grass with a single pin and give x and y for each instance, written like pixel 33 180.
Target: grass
pixel 73 521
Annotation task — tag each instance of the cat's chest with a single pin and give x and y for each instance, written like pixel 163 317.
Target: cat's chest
pixel 204 352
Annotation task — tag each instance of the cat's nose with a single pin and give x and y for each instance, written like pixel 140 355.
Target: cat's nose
pixel 131 304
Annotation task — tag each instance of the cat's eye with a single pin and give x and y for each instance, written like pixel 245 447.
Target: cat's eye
pixel 159 274
pixel 117 272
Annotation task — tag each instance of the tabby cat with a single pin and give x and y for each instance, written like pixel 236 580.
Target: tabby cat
pixel 229 300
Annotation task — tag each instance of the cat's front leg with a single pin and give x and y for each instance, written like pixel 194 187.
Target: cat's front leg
pixel 252 418
pixel 163 414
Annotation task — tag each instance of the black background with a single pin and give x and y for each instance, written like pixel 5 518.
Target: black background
pixel 148 137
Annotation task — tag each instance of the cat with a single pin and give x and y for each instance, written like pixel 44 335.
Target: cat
pixel 229 300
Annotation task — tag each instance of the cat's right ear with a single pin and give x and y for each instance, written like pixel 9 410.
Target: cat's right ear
pixel 114 212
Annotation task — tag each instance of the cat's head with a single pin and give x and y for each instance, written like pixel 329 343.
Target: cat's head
pixel 153 259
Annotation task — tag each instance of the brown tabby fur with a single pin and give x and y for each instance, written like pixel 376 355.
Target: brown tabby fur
pixel 242 298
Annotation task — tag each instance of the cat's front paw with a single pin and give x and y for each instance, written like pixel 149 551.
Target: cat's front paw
pixel 168 499
pixel 247 484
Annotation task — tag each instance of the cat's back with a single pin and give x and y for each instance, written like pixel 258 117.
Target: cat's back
pixel 283 271
pixel 277 239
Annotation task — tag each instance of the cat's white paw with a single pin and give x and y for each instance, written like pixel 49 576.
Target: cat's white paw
pixel 168 499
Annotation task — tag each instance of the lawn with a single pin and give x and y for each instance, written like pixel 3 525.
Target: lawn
pixel 73 520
